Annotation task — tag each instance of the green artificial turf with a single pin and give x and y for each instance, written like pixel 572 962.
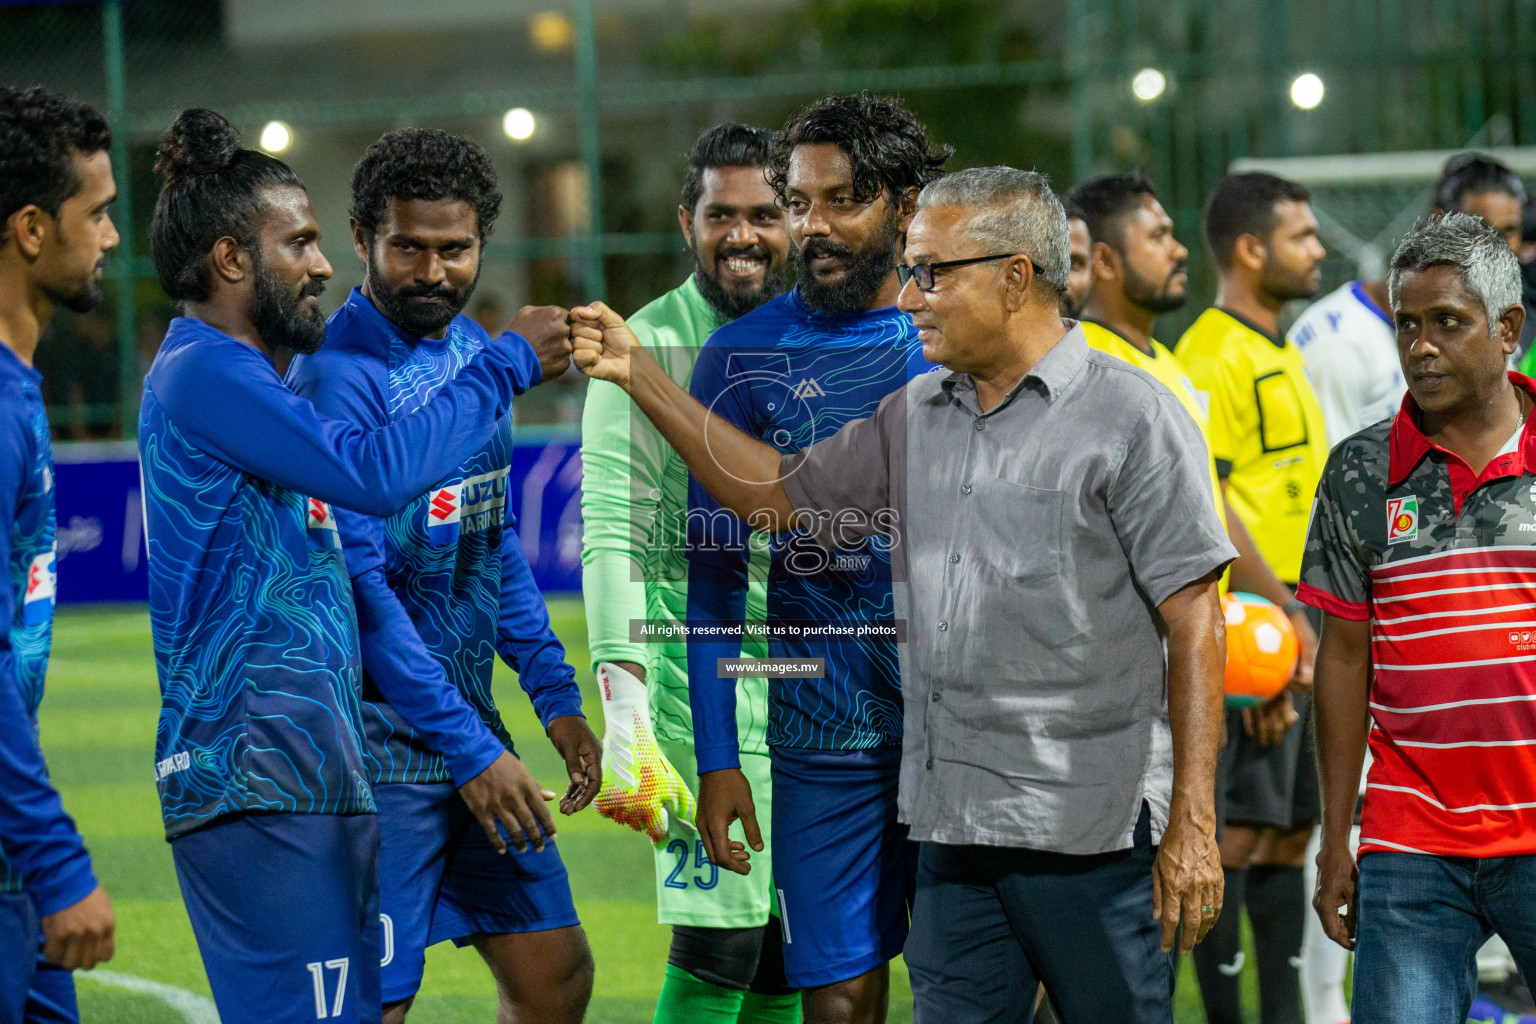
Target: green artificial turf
pixel 98 728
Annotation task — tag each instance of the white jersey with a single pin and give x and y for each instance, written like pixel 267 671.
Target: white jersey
pixel 1350 347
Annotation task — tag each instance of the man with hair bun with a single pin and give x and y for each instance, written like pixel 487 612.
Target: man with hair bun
pixel 55 232
pixel 260 750
pixel 1420 557
pixel 443 587
pixel 726 962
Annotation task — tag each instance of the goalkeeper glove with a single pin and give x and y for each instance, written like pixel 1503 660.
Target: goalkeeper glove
pixel 641 789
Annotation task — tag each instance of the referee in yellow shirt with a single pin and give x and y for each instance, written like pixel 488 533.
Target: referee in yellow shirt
pixel 1270 442
pixel 1138 272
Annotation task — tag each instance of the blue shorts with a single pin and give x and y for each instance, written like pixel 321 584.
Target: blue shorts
pixel 32 990
pixel 285 908
pixel 442 879
pixel 843 867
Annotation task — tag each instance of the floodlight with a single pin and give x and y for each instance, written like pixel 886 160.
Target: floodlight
pixel 551 32
pixel 1307 91
pixel 519 124
pixel 1148 84
pixel 276 137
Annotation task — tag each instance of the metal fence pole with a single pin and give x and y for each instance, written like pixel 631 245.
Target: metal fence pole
pixel 122 214
pixel 591 148
pixel 1077 62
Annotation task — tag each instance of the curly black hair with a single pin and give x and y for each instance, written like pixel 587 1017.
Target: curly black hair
pixel 887 145
pixel 424 163
pixel 40 132
pixel 211 189
pixel 1104 202
pixel 725 145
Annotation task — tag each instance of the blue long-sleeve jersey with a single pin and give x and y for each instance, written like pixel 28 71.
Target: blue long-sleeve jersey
pixel 442 586
pixel 790 376
pixel 254 626
pixel 40 851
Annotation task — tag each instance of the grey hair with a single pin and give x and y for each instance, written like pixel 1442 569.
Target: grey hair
pixel 1016 211
pixel 1470 244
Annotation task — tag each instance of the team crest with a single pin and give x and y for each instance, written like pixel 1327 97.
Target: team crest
pixel 1402 518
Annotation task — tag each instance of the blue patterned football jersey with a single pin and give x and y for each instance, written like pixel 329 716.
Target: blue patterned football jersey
pixel 255 633
pixel 791 376
pixel 38 842
pixel 442 586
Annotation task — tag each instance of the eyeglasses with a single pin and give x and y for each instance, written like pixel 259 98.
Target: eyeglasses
pixel 923 272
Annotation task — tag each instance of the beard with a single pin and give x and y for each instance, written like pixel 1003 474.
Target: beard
pixel 1286 285
pixel 84 297
pixel 412 317
pixel 732 303
pixel 1156 299
pixel 279 316
pixel 864 270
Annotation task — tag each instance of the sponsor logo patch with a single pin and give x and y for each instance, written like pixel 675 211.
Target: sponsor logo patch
pixel 42 584
pixel 321 517
pixel 173 764
pixel 443 515
pixel 1402 519
pixel 472 505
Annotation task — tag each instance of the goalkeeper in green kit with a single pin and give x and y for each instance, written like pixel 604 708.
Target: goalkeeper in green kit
pixel 725 965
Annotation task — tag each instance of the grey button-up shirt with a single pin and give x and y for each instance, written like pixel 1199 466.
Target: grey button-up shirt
pixel 1032 546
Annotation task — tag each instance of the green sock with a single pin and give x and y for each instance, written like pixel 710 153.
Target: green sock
pixel 761 1009
pixel 687 1000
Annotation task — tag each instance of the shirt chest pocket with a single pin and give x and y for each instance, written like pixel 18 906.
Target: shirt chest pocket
pixel 1017 530
pixel 1282 421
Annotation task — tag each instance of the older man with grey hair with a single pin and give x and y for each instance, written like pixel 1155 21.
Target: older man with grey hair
pixel 1422 555
pixel 1052 528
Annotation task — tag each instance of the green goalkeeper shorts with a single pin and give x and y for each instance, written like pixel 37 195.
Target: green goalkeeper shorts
pixel 689 889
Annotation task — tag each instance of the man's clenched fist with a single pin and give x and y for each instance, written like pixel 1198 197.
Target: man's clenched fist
pixel 547 329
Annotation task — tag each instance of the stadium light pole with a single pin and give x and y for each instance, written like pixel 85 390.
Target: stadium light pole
pixel 591 148
pixel 122 259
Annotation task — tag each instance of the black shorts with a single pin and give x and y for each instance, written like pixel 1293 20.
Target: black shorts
pixel 1276 786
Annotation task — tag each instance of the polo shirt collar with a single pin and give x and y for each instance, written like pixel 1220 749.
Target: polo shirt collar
pixel 1052 374
pixel 1407 447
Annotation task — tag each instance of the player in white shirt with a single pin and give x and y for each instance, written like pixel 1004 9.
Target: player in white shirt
pixel 1350 346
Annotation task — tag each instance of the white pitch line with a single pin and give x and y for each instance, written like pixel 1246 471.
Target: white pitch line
pixel 194 1009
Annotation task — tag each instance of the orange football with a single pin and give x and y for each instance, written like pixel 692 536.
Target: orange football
pixel 1261 649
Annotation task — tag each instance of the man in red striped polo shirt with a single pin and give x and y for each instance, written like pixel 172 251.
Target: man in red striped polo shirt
pixel 1422 554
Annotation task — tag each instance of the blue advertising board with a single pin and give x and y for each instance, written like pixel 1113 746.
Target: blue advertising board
pixel 101 516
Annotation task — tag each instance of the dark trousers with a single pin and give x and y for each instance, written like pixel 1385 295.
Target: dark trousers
pixel 990 923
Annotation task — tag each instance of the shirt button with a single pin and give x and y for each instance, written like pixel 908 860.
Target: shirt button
pixel 934 698
pixel 928 763
pixel 943 626
pixel 953 559
pixel 965 488
pixel 981 424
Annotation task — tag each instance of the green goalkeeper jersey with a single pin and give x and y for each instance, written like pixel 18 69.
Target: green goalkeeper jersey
pixel 634 503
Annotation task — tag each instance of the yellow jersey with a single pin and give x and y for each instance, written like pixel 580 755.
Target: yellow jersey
pixel 1165 367
pixel 1268 435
